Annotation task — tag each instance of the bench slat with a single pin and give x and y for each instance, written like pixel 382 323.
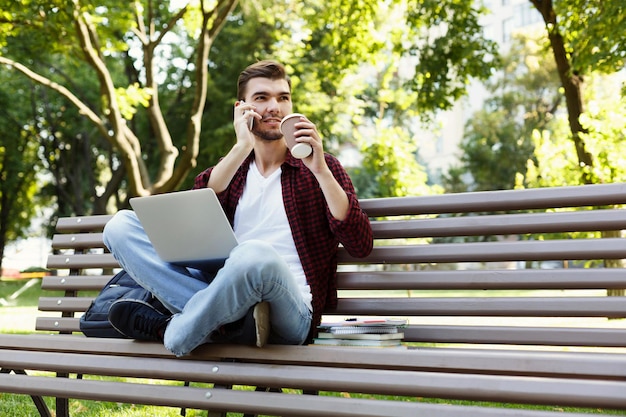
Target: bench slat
pixel 64 304
pixel 87 261
pixel 204 398
pixel 423 280
pixel 82 223
pixel 511 335
pixel 501 279
pixel 75 282
pixel 57 324
pixel 613 307
pixel 78 241
pixel 502 200
pixel 578 249
pixel 503 224
pixel 503 335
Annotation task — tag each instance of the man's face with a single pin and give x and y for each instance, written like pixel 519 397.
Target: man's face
pixel 272 99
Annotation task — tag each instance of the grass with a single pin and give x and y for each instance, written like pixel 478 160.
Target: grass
pixel 18 316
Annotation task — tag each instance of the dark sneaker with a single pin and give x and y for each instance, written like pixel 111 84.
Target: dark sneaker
pixel 262 322
pixel 240 332
pixel 137 319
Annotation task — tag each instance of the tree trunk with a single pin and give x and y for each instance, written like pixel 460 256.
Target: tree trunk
pixel 571 82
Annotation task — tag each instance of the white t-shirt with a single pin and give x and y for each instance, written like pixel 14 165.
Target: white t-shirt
pixel 261 215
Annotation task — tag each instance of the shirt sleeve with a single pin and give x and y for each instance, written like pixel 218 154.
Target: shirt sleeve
pixel 202 179
pixel 355 231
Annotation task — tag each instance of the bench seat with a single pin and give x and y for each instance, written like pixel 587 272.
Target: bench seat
pixel 505 293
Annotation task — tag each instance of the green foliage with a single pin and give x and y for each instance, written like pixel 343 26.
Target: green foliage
pixel 323 44
pixel 132 97
pixel 595 33
pixel 498 144
pixel 450 49
pixel 495 149
pixel 604 120
pixel 20 169
pixel 36 23
pixel 389 167
pixel 586 37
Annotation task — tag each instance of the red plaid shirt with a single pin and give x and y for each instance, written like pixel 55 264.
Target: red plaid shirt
pixel 316 232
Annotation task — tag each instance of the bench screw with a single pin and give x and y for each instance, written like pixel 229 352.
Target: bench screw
pixel 208 395
pixel 215 369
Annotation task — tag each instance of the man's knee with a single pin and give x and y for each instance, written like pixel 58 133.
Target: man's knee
pixel 260 256
pixel 117 227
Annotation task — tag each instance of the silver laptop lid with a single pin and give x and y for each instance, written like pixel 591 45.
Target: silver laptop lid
pixel 187 228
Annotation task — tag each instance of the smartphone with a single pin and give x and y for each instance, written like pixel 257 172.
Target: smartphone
pixel 250 120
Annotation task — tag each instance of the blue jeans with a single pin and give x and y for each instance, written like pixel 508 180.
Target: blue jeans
pixel 203 301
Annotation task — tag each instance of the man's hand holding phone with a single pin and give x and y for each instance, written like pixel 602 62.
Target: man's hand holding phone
pixel 243 120
pixel 250 121
pixel 246 115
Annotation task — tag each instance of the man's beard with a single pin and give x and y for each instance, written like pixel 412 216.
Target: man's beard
pixel 269 135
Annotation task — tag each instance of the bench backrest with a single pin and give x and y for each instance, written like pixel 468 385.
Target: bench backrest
pixel 496 267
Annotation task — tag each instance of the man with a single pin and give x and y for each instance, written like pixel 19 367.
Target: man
pixel 289 216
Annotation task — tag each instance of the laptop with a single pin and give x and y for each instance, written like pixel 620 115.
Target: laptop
pixel 187 228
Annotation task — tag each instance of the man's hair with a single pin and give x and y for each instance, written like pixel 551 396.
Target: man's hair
pixel 264 69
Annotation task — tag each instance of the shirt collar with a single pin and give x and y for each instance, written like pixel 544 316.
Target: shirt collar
pixel 290 161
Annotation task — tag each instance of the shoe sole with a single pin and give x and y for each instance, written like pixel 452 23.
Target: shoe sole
pixel 261 316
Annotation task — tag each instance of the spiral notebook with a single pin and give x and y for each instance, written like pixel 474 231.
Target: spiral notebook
pixel 363 329
pixel 361 336
pixel 362 326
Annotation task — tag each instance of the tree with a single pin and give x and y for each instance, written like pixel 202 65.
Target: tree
pixel 425 65
pixel 498 143
pixel 450 49
pixel 150 27
pixel 19 164
pixel 138 55
pixel 584 36
pixel 385 136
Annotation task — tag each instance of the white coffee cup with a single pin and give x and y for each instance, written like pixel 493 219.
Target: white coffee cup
pixel 298 150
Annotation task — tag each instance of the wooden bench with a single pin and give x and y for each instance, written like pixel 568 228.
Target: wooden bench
pixel 500 311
